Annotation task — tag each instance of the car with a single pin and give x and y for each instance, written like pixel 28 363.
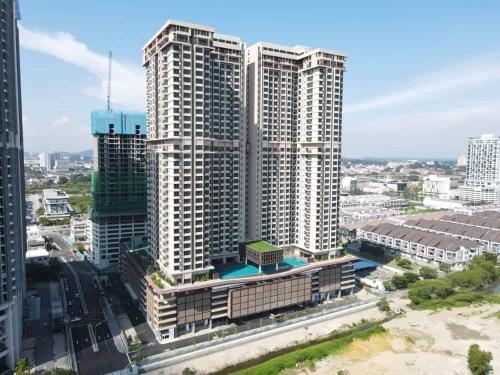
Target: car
pixel 77 295
pixel 70 303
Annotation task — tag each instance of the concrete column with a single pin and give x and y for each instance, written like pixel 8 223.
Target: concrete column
pixel 260 268
pixel 328 296
pixel 193 326
pixel 352 291
pixel 210 323
pixel 246 262
pixel 277 266
pixel 224 260
pixel 339 294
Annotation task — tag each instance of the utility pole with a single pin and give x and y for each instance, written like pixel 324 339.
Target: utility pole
pixel 109 82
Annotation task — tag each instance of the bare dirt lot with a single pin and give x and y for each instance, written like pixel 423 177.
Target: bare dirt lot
pixel 421 342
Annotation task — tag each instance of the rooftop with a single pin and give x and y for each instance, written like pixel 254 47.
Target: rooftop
pixel 262 246
pixel 54 194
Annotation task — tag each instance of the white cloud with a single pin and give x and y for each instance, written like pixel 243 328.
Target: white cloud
pixel 127 81
pixel 483 70
pixel 60 123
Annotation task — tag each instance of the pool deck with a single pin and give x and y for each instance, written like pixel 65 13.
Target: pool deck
pixel 242 270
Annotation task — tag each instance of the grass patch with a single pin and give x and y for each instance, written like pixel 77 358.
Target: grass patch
pixel 308 355
pixel 409 339
pixel 135 347
pixel 460 299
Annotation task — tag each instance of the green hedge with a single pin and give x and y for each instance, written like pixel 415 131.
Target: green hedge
pixel 310 354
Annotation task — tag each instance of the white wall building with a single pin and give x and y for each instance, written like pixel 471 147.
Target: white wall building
pixel 55 203
pixel 45 161
pixel 61 165
pixel 482 183
pixel 348 184
pixel 436 187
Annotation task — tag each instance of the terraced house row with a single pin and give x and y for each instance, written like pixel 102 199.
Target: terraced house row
pixel 243 164
pixel 422 245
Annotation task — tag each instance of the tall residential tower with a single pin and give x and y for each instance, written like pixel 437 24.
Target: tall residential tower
pixel 12 213
pixel 482 182
pixel 195 89
pixel 242 215
pixel 294 135
pixel 118 183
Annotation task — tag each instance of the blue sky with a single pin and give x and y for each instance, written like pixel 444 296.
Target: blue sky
pixel 422 75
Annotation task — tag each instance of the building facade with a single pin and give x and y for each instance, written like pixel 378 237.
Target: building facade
pixel 436 187
pixel 220 177
pixel 195 145
pixel 482 182
pixel 12 214
pixel 294 122
pixel 118 183
pixel 55 204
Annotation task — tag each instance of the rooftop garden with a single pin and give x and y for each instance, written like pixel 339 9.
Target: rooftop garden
pixel 262 246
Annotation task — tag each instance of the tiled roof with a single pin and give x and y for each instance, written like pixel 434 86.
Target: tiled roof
pixel 419 236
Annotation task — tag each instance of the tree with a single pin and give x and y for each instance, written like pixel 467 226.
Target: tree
pixel 189 371
pixel 478 360
pixel 79 246
pixel 40 211
pixel 428 273
pixel 23 367
pixel 404 280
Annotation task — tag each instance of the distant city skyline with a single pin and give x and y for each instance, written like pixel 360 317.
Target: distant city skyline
pixel 416 78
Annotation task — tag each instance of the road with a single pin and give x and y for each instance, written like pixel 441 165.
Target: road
pixel 94 347
pixel 44 339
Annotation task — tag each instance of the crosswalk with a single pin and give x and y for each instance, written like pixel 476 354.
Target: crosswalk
pixel 113 327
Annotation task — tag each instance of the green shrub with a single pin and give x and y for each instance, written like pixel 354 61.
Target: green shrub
pixel 404 263
pixel 428 273
pixel 478 360
pixel 383 305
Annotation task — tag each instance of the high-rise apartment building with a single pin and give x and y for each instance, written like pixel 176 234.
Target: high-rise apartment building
pixel 195 91
pixel 294 136
pixel 118 183
pixel 44 160
pixel 482 182
pixel 242 199
pixel 12 214
pixel 436 186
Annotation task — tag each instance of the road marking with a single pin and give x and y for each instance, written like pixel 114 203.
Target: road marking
pixel 92 338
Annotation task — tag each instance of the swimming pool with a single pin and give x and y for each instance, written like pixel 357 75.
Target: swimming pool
pixel 232 272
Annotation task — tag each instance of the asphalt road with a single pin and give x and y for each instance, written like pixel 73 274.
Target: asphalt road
pixel 44 341
pixel 90 362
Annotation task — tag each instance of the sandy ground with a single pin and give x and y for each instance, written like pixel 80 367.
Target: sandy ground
pixel 421 343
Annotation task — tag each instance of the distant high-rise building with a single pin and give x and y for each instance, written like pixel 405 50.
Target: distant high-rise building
pixel 61 165
pixel 118 183
pixel 482 182
pixel 12 213
pixel 44 159
pixel 462 160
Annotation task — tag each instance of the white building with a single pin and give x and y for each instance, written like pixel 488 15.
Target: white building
pixel 482 183
pixel 462 160
pixel 61 165
pixel 444 204
pixel 44 159
pixel 79 228
pixel 348 184
pixel 436 187
pixel 422 245
pixel 37 254
pixel 56 204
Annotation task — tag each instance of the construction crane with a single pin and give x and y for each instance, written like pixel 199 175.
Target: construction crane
pixel 109 82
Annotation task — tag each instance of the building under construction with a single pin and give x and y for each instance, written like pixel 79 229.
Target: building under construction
pixel 118 183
